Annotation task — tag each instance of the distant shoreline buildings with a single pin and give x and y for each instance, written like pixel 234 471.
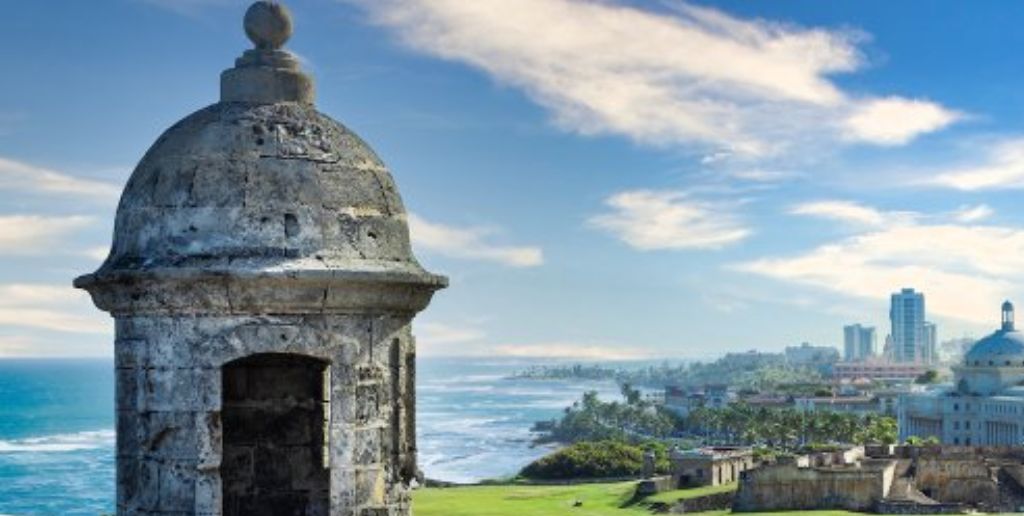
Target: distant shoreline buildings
pixel 985 404
pixel 910 347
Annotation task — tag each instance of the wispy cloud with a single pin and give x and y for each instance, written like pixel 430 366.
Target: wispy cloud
pixel 572 350
pixel 448 339
pixel 759 175
pixel 35 234
pixel 470 243
pixel 97 253
pixel 1001 165
pixel 973 213
pixel 50 307
pixel 651 220
pixel 691 76
pixel 965 269
pixel 22 177
pixel 896 121
pixel 843 211
pixel 17 346
pixel 432 333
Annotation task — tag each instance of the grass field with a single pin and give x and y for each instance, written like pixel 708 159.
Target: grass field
pixel 614 499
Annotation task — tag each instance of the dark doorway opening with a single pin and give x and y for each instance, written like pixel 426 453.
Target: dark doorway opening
pixel 275 413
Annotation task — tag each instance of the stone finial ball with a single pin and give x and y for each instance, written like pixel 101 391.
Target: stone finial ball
pixel 268 24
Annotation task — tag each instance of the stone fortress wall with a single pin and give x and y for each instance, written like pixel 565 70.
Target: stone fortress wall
pixel 791 486
pixel 890 479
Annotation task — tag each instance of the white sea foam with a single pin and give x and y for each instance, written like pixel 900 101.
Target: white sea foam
pixel 59 443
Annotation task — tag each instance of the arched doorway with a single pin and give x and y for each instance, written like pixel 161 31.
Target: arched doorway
pixel 275 411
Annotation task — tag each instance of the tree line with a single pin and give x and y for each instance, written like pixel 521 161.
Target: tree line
pixel 788 428
pixel 636 419
pixel 759 372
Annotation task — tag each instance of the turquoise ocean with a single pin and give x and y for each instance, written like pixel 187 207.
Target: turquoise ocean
pixel 57 420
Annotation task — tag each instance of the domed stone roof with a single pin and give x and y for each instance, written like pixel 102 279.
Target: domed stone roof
pixel 1004 345
pixel 261 185
pixel 1000 346
pixel 260 182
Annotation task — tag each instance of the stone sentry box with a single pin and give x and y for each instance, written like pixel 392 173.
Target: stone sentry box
pixel 263 286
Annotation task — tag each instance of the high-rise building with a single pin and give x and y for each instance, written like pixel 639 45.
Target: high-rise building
pixel 931 349
pixel 913 338
pixel 906 314
pixel 858 342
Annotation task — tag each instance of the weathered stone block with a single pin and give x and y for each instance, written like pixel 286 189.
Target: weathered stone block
pixel 208 494
pixel 129 353
pixel 178 486
pixel 127 387
pixel 369 446
pixel 371 486
pixel 169 435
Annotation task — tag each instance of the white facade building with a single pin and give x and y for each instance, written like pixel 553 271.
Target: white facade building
pixel 985 404
pixel 858 342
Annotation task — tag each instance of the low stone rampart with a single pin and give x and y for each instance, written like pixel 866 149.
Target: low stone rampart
pixel 712 502
pixel 968 480
pixel 655 485
pixel 788 487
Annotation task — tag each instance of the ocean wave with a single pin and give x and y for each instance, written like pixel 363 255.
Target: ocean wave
pixel 90 440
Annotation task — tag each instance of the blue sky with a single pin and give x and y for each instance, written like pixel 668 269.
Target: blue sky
pixel 600 179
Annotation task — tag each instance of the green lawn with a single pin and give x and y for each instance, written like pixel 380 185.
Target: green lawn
pixel 613 499
pixel 672 496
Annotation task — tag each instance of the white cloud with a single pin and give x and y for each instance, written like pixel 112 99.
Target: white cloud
pixel 22 177
pixel 693 75
pixel 17 346
pixel 896 121
pixel 470 243
pixel 651 220
pixel 35 234
pixel 572 350
pixel 98 253
pixel 50 307
pixel 431 333
pixel 965 270
pixel 444 339
pixel 1002 167
pixel 843 211
pixel 973 213
pixel 760 175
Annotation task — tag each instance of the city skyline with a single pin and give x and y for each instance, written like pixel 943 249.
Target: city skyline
pixel 621 203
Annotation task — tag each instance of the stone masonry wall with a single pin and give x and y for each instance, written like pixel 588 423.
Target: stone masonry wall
pixel 969 481
pixel 169 399
pixel 787 487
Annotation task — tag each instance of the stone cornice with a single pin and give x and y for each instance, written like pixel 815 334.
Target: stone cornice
pixel 211 292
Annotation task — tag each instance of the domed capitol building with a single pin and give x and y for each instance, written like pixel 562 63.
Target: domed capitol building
pixel 985 404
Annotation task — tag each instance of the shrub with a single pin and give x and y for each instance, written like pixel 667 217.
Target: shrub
pixel 595 459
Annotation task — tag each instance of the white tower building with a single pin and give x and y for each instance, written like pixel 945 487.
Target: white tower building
pixel 907 317
pixel 858 342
